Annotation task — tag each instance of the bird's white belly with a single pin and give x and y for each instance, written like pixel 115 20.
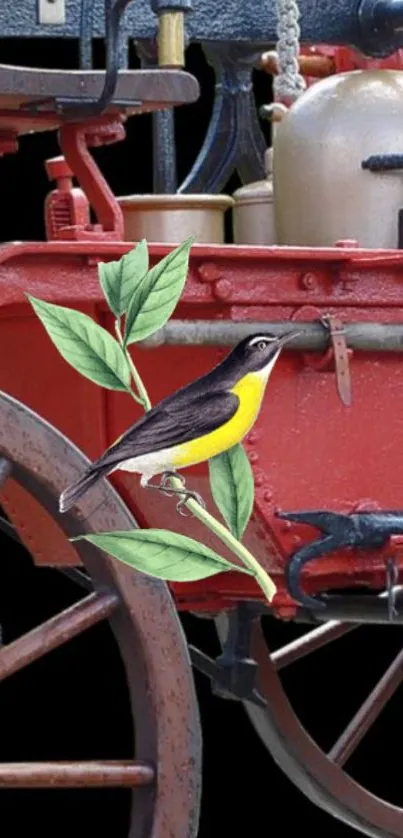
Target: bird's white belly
pixel 149 464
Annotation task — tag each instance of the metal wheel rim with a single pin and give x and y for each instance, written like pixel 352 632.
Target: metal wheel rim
pixel 145 625
pixel 304 763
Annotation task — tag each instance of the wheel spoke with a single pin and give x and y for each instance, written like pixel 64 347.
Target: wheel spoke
pixel 368 712
pixel 56 775
pixel 9 530
pixel 56 631
pixel 78 576
pixel 6 468
pixel 310 642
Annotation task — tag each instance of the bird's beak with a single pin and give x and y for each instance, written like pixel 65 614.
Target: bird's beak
pixel 288 338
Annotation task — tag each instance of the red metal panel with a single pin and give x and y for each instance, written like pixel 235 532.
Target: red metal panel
pixel 307 450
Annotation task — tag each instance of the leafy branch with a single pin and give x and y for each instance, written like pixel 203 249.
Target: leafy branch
pixel 142 300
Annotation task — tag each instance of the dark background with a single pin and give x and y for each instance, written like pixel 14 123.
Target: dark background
pixel 72 704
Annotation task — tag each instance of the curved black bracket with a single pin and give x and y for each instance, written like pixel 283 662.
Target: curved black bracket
pixel 234 139
pixel 360 530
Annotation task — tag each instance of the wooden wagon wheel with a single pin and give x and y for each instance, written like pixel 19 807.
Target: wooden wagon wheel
pixel 165 775
pixel 320 776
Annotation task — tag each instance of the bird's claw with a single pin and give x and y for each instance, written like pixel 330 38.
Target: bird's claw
pixel 181 505
pixel 187 493
pixel 164 481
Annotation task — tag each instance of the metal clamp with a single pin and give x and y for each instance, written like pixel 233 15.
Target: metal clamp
pixel 74 141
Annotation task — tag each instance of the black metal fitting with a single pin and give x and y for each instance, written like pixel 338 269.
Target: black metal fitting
pixel 233 674
pixel 159 6
pixel 383 162
pixel 381 23
pixel 360 531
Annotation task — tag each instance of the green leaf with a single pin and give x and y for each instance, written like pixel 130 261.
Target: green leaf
pixel 85 345
pixel 162 553
pixel 232 487
pixel 155 298
pixel 119 279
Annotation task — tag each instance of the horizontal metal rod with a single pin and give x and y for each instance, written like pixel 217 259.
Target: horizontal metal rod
pixel 58 775
pixel 366 337
pixel 353 608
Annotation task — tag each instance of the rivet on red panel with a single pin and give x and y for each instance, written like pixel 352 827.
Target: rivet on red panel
pixel 209 272
pixel 308 281
pixel 222 289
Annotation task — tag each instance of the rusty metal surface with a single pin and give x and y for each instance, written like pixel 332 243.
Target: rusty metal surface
pixel 135 88
pixel 146 627
pixel 56 631
pixel 74 775
pixel 320 779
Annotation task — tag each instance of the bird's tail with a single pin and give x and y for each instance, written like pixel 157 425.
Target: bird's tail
pixel 74 492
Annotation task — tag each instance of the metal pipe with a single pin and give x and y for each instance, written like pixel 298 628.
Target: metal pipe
pixel 164 152
pixel 171 38
pixel 353 608
pixel 365 337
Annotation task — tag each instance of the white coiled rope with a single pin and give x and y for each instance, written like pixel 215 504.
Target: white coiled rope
pixel 288 83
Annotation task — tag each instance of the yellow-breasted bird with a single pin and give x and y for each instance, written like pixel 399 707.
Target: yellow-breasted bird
pixel 199 421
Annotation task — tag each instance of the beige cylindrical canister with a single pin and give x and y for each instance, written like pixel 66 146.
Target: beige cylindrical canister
pixel 253 212
pixel 321 192
pixel 173 218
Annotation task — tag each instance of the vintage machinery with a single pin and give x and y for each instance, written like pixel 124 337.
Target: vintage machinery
pixel 318 494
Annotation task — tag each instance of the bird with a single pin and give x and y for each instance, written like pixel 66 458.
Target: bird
pixel 194 424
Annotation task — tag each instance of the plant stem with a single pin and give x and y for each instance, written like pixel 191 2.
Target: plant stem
pixel 262 578
pixel 264 581
pixel 142 397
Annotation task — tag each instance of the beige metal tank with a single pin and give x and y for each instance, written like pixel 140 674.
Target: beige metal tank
pixel 253 212
pixel 173 218
pixel 321 193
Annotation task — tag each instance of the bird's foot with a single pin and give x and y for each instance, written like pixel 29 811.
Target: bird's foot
pixel 189 495
pixel 170 491
pixel 165 478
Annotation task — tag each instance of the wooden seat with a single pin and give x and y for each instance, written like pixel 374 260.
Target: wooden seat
pixel 137 91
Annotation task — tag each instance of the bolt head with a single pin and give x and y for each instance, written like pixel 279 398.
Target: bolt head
pixel 57 167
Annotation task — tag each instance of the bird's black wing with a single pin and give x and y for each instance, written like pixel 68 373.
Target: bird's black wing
pixel 171 424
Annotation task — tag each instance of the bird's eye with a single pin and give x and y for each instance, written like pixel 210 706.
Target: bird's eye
pixel 262 345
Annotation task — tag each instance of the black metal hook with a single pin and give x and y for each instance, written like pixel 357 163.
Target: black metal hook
pixel 114 10
pixel 72 108
pixel 360 530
